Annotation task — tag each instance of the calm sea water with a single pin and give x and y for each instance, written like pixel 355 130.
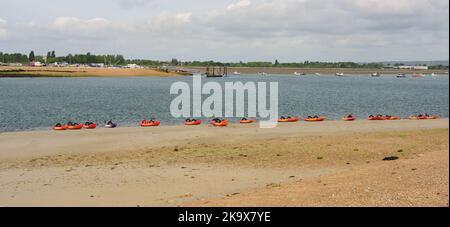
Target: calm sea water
pixel 39 103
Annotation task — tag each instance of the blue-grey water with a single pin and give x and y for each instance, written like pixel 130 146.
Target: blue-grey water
pixel 39 103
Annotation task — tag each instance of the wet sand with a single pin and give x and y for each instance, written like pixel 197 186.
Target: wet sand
pixel 302 164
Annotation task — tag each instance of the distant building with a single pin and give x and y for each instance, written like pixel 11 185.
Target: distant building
pixel 413 67
pixel 97 65
pixel 60 64
pixel 133 66
pixel 36 64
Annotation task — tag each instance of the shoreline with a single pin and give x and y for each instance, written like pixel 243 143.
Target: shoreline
pixel 58 72
pixel 205 124
pixel 179 166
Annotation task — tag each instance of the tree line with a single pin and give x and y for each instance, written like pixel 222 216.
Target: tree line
pixel 119 60
pixel 51 57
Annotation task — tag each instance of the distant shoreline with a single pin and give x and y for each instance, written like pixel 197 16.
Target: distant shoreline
pixel 23 72
pixel 19 72
pixel 325 71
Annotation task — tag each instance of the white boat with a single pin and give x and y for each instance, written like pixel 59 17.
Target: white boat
pixel 340 74
pixel 236 73
pixel 262 73
pixel 434 75
pixel 376 74
pixel 401 75
pixel 317 74
pixel 299 74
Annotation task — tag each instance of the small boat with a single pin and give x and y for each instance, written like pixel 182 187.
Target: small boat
pixel 289 119
pixel 237 73
pixel 340 74
pixel 392 118
pixel 247 121
pixel 401 75
pixel 192 122
pixel 151 123
pixel 315 119
pixel 59 127
pixel 262 73
pixel 111 125
pixel 299 74
pixel 219 122
pixel 349 119
pixel 317 74
pixel 434 75
pixel 75 126
pixel 90 125
pixel 376 74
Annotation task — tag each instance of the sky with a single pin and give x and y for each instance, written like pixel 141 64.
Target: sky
pixel 230 30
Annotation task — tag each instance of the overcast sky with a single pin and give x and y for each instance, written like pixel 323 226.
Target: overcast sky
pixel 230 30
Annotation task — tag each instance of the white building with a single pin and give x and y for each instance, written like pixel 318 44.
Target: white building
pixel 413 67
pixel 133 66
pixel 36 64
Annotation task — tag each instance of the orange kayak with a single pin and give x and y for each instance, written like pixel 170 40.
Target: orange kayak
pixel 192 123
pixel 220 124
pixel 75 127
pixel 376 118
pixel 292 119
pixel 60 128
pixel 424 118
pixel 151 124
pixel 393 118
pixel 247 121
pixel 92 126
pixel 349 119
pixel 315 119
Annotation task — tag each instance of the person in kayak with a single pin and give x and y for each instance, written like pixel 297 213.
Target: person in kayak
pixel 110 122
pixel 244 119
pixel 58 125
pixel 350 116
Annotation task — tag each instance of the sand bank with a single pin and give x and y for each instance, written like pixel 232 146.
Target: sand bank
pixel 80 72
pixel 201 166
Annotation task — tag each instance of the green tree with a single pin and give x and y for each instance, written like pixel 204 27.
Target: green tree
pixel 31 57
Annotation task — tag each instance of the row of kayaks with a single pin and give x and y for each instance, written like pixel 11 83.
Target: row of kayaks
pixel 77 126
pixel 224 122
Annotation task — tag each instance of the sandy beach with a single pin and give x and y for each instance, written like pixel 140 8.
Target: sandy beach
pixel 80 72
pixel 302 164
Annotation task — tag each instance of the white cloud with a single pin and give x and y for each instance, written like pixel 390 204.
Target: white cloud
pixel 239 5
pixel 73 23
